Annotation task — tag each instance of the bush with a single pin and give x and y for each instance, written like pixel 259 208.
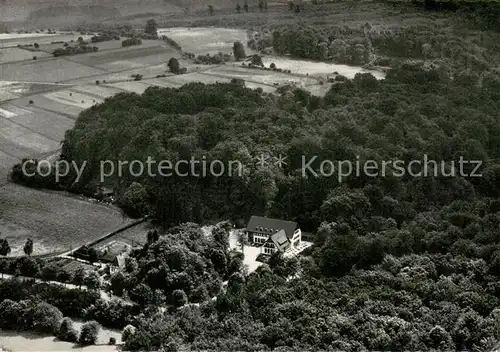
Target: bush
pixel 179 298
pixel 128 332
pixel 131 41
pixel 89 333
pixel 67 332
pixel 112 341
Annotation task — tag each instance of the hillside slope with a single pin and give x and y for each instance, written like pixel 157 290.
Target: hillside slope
pixel 62 12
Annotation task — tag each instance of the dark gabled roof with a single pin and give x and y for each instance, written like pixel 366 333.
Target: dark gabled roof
pixel 271 226
pixel 280 240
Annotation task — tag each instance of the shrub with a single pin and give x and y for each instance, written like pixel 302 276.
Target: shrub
pixel 179 298
pixel 67 332
pixel 131 41
pixel 112 341
pixel 128 332
pixel 89 333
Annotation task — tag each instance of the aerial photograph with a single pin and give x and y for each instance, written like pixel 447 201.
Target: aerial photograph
pixel 249 175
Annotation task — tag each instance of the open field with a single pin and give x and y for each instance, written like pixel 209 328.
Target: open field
pixel 96 90
pixel 316 68
pixel 205 40
pixel 11 40
pixel 45 123
pixel 69 97
pixel 17 54
pixel 161 52
pixel 103 46
pixel 133 236
pixel 54 220
pixel 52 105
pixel 20 141
pixel 134 87
pixel 258 76
pixel 13 90
pixel 55 70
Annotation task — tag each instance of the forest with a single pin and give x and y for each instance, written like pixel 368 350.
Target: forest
pixel 398 262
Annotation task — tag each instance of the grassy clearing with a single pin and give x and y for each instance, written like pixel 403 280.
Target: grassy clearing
pixel 53 220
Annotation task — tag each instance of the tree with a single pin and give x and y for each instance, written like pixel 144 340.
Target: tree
pixel 46 318
pixel 179 298
pixel 118 283
pixel 4 247
pixel 239 51
pixel 238 8
pixel 50 271
pixel 151 27
pixel 128 332
pixel 211 10
pixel 152 236
pixel 257 60
pixel 67 332
pixel 93 256
pixel 28 247
pixel 92 280
pixel 29 267
pixel 79 277
pixel 245 5
pixel 142 294
pixel 89 333
pixel 36 45
pixel 174 66
pixel 131 265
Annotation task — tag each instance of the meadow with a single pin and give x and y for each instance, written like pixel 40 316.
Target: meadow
pixel 55 221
